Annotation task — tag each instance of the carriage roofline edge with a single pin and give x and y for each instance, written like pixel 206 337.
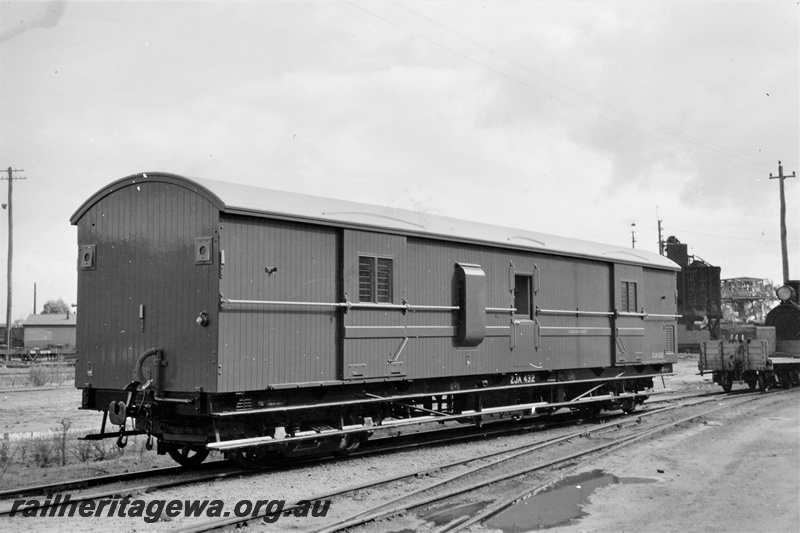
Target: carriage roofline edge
pixel 248 200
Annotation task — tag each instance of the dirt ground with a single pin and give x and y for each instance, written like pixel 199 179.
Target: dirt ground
pixel 27 410
pixel 735 471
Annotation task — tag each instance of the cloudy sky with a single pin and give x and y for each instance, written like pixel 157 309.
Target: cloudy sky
pixel 572 118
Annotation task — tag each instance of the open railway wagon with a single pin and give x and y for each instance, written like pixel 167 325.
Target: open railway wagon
pixel 217 316
pixel 762 356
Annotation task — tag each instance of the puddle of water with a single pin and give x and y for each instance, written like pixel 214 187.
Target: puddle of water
pixel 557 505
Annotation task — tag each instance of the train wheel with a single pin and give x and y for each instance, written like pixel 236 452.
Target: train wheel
pixel 348 445
pixel 726 380
pixel 752 384
pixel 252 458
pixel 628 406
pixel 589 411
pixel 760 380
pixel 187 456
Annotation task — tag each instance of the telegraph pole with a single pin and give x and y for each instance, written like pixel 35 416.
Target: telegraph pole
pixel 784 250
pixel 10 179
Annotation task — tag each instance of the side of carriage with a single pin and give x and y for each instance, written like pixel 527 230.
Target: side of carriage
pixel 228 317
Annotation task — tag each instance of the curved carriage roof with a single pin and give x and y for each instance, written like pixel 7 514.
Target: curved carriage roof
pixel 249 200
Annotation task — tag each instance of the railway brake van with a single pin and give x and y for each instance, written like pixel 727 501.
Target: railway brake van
pixel 216 316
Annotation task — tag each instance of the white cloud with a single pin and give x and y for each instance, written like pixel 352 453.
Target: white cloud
pixel 569 118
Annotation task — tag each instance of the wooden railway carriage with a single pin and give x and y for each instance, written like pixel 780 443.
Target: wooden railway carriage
pixel 230 317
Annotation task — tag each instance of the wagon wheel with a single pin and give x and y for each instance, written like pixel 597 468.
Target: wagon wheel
pixel 628 406
pixel 186 455
pixel 349 444
pixel 253 457
pixel 589 411
pixel 726 380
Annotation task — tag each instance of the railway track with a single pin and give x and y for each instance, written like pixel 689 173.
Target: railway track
pixel 436 491
pixel 169 477
pixel 219 470
pixel 428 495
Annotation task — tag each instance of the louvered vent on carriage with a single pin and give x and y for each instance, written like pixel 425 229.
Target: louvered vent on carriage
pixel 669 331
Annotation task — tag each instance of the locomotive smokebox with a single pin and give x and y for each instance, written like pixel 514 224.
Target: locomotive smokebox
pixel 786 316
pixel 789 292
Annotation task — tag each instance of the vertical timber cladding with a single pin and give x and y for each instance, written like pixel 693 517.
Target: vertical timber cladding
pixel 374 273
pixel 660 326
pixel 280 343
pixel 575 322
pixel 433 280
pixel 629 328
pixel 141 286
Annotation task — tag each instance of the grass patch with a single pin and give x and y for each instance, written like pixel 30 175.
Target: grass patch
pixel 23 375
pixel 59 454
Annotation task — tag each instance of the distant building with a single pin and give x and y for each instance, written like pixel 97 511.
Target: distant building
pixel 16 336
pixel 50 331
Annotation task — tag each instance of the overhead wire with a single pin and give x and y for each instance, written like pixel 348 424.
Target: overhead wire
pixel 554 96
pixel 636 118
pixel 711 151
pixel 761 237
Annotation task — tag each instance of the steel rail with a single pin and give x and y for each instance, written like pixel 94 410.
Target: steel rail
pixel 49 489
pixel 373 514
pixel 374 446
pixel 218 524
pixel 605 449
pixel 136 490
pixel 60 486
